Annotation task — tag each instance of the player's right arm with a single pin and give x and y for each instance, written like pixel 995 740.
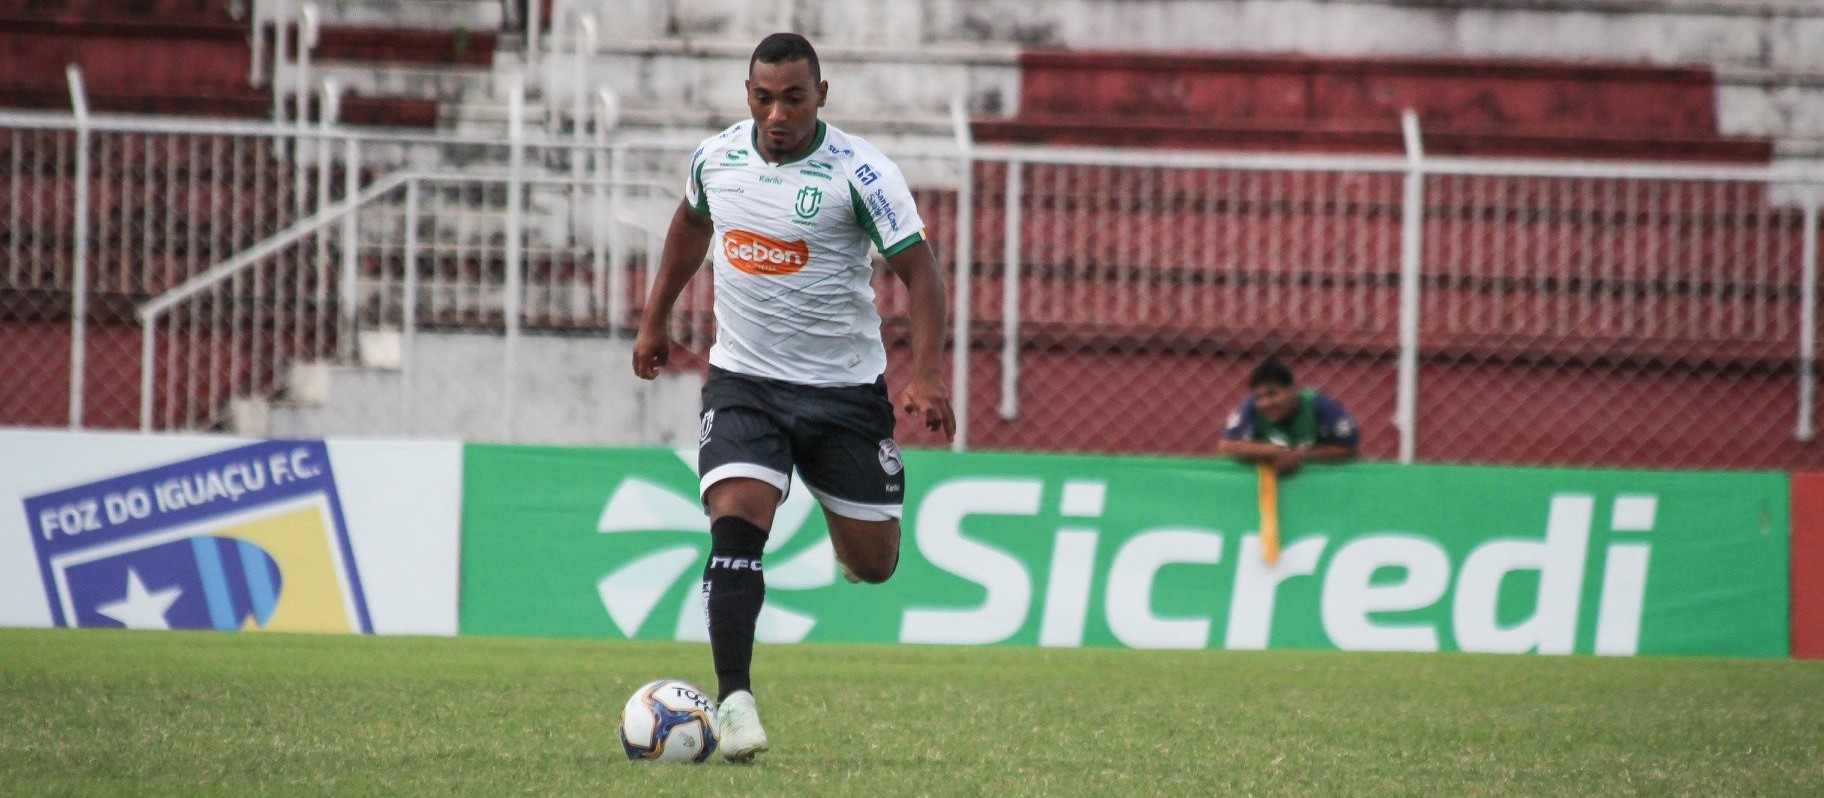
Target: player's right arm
pixel 686 242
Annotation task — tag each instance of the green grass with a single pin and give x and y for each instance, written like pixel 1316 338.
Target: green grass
pixel 135 713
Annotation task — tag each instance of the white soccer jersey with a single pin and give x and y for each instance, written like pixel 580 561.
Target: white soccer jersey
pixel 793 300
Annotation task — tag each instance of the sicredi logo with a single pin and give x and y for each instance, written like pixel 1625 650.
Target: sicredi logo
pixel 632 591
pixel 754 253
pixel 248 538
pixel 1351 595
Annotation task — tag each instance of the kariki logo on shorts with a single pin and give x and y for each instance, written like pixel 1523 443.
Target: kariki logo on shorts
pixel 249 538
pixel 758 254
pixel 890 461
pixel 708 424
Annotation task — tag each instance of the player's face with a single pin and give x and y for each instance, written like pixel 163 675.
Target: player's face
pixel 784 101
pixel 1276 402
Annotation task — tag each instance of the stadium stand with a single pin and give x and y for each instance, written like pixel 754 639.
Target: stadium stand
pixel 1466 106
pixel 192 58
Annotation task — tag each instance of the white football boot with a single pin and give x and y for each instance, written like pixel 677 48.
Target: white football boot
pixel 739 727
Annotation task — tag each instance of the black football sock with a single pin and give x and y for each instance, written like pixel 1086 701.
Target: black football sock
pixel 733 589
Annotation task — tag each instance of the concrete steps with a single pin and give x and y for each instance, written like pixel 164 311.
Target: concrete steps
pixel 569 389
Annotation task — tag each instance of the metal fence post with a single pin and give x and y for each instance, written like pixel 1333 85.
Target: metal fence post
pixel 1010 293
pixel 281 19
pixel 534 12
pixel 959 319
pixel 516 179
pixel 602 212
pixel 351 267
pixel 307 41
pixel 585 49
pixel 1808 317
pixel 1412 222
pixel 329 110
pixel 408 307
pixel 79 259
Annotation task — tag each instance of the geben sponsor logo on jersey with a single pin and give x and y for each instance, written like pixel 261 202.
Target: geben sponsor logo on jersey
pixel 759 254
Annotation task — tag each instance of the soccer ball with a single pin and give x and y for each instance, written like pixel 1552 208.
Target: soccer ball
pixel 669 721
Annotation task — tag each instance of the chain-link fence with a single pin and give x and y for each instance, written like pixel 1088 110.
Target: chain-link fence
pixel 336 282
pixel 1510 311
pixel 98 219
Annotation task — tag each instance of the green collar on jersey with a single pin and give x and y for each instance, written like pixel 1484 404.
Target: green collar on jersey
pixel 753 135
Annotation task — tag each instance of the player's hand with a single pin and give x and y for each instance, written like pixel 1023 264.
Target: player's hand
pixel 1286 461
pixel 926 399
pixel 651 351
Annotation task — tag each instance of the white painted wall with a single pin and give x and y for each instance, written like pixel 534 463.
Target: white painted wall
pixel 569 390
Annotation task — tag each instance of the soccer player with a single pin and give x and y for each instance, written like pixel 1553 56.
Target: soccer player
pixel 1288 426
pixel 787 207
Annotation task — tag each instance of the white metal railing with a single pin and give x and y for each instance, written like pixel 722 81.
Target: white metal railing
pixel 1394 274
pixel 209 283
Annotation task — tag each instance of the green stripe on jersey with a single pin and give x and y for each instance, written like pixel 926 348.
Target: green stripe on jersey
pixel 702 196
pixel 865 219
pixel 903 245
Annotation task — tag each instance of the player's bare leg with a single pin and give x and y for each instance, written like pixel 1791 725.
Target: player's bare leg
pixel 734 587
pixel 866 551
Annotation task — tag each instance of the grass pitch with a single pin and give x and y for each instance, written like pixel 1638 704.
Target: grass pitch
pixel 95 712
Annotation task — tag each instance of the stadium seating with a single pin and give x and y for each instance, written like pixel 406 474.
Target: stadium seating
pixel 192 58
pixel 1334 104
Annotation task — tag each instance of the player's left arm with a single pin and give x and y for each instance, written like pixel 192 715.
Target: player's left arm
pixel 925 395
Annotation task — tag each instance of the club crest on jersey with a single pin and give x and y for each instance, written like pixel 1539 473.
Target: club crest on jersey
pixel 809 199
pixel 754 253
pixel 890 461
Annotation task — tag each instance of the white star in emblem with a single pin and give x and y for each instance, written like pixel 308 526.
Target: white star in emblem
pixel 141 609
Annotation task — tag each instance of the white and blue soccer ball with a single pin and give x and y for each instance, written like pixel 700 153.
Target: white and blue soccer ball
pixel 669 721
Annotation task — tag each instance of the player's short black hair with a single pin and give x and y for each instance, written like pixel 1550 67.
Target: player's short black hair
pixel 782 47
pixel 1270 372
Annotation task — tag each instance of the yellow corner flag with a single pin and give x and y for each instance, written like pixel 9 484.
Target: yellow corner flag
pixel 1269 512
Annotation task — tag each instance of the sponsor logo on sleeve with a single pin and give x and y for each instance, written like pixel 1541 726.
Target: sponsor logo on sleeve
pixel 866 174
pixel 882 210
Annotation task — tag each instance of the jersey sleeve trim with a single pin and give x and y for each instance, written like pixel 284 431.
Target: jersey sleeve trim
pixel 702 205
pixel 902 246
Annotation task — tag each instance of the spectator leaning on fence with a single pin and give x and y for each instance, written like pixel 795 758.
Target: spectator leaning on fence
pixel 1288 426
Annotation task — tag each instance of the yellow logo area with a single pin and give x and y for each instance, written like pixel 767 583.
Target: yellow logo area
pixel 311 595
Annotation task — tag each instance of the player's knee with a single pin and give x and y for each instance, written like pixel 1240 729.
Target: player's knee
pixel 879 566
pixel 877 572
pixel 750 500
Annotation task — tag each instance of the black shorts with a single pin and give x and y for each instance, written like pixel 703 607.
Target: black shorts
pixel 839 438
